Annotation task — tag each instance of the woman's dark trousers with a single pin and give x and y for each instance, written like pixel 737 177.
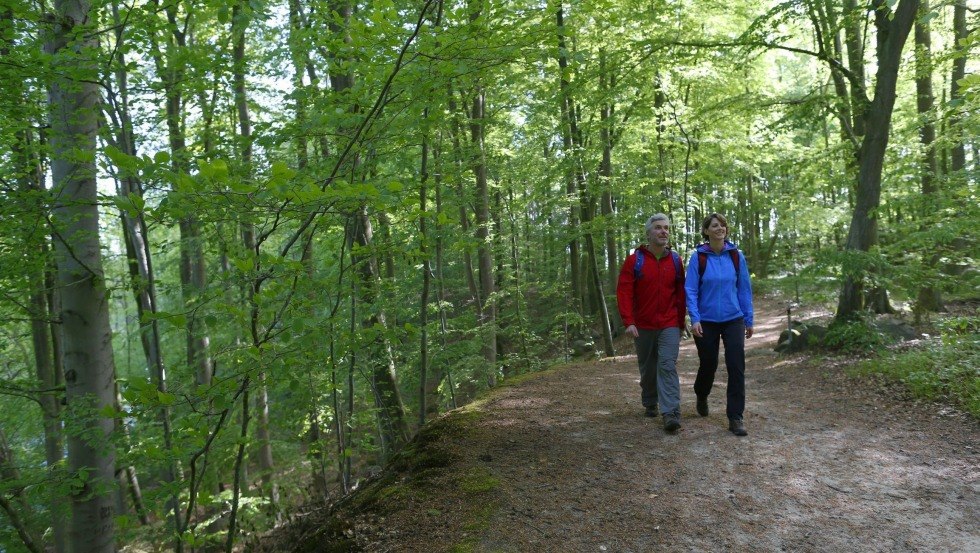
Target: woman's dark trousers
pixel 732 334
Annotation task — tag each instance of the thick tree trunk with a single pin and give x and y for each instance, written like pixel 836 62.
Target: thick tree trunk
pixel 863 234
pixel 73 98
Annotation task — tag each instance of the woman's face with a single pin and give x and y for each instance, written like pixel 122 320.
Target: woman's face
pixel 717 230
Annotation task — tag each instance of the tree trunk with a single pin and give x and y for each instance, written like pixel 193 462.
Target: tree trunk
pixel 863 234
pixel 488 323
pixel 571 138
pixel 929 298
pixel 960 33
pixel 73 98
pixel 426 277
pixel 572 193
pixel 241 17
pixel 391 409
pixel 10 475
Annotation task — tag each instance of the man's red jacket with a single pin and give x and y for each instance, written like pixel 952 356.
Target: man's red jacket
pixel 656 300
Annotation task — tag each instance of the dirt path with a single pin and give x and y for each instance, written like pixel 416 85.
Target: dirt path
pixel 574 466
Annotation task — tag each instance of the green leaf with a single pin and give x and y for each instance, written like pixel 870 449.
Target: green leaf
pixel 124 162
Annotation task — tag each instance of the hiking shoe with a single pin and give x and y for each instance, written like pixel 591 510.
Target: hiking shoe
pixel 703 406
pixel 671 422
pixel 651 412
pixel 737 427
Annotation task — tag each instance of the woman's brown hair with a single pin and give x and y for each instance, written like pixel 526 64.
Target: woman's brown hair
pixel 707 223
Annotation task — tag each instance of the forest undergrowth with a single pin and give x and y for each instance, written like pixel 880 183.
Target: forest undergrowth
pixel 837 459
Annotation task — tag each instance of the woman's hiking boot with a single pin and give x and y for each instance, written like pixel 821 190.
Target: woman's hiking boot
pixel 703 406
pixel 737 427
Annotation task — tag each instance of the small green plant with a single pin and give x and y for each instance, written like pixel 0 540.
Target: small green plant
pixel 945 368
pixel 854 336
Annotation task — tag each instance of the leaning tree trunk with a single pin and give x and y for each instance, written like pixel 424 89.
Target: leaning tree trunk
pixel 73 98
pixel 863 234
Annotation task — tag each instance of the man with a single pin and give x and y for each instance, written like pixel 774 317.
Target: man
pixel 651 302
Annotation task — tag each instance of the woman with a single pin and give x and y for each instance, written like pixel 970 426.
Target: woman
pixel 719 299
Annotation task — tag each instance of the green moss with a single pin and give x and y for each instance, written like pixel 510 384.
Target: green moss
pixel 477 481
pixel 522 378
pixel 477 523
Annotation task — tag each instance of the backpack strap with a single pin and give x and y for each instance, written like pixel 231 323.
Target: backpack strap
pixel 638 266
pixel 703 263
pixel 678 269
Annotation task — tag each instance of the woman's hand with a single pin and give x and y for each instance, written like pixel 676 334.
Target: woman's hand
pixel 748 332
pixel 696 330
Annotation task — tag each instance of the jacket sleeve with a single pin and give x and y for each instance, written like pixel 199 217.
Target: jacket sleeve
pixel 691 288
pixel 745 291
pixel 624 291
pixel 680 296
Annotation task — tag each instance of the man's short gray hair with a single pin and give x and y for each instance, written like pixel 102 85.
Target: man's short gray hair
pixel 653 219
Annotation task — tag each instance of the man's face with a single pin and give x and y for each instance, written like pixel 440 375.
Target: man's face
pixel 659 233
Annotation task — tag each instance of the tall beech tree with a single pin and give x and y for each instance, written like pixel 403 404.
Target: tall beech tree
pixel 89 369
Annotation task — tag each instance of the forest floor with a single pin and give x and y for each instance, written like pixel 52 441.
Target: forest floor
pixel 564 460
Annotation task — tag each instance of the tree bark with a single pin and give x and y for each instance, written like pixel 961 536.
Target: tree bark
pixel 241 17
pixel 571 191
pixel 863 234
pixel 73 99
pixel 929 297
pixel 571 137
pixel 960 33
pixel 488 323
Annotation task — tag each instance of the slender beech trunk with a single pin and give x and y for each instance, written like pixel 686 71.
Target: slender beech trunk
pixel 241 17
pixel 193 268
pixel 567 113
pixel 426 275
pixel 960 33
pixel 464 220
pixel 393 424
pixel 484 253
pixel 571 137
pixel 73 99
pixel 929 298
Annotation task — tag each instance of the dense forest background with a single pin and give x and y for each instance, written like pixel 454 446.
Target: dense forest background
pixel 248 248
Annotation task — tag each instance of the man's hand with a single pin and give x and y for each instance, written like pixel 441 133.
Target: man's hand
pixel 632 331
pixel 748 332
pixel 696 330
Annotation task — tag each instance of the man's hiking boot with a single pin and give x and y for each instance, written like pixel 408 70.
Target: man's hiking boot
pixel 703 406
pixel 737 427
pixel 651 412
pixel 672 422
